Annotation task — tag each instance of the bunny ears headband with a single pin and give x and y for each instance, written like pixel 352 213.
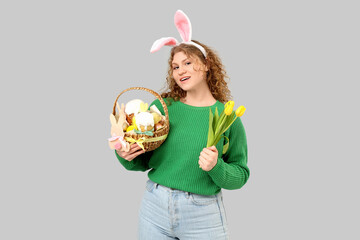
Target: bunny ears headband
pixel 183 25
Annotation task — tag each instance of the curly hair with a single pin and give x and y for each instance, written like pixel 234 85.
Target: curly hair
pixel 215 76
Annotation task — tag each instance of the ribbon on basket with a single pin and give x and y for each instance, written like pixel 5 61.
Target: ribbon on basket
pixel 142 140
pixel 120 138
pixel 149 133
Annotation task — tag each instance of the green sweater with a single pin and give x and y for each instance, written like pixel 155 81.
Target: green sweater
pixel 175 163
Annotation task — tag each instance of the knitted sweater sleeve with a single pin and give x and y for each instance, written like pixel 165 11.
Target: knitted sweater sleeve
pixel 140 163
pixel 231 170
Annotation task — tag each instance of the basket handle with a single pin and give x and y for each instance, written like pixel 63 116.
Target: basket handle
pixel 150 91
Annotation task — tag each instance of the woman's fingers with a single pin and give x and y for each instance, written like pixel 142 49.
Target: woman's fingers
pixel 135 154
pixel 204 154
pixel 202 161
pixel 208 151
pixel 135 150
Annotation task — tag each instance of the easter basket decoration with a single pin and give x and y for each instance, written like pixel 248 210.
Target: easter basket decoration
pixel 146 142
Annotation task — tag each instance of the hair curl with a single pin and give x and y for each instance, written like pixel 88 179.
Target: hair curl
pixel 215 77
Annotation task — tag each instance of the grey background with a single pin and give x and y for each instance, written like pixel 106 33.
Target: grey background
pixel 293 64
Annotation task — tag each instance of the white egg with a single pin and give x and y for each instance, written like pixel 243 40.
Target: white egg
pixel 133 106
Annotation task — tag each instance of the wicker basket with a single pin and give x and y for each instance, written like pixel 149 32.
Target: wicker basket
pixel 149 142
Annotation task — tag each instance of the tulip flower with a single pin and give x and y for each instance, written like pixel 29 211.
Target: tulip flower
pixel 240 111
pixel 229 107
pixel 219 124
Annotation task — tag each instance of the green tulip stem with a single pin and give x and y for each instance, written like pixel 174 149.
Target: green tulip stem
pixel 220 123
pixel 230 124
pixel 218 134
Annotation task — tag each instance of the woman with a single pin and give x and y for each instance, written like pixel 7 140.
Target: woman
pixel 183 198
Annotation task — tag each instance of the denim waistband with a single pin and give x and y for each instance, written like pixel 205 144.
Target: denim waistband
pixel 167 188
pixel 157 185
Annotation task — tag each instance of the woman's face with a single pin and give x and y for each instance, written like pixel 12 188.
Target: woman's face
pixel 188 74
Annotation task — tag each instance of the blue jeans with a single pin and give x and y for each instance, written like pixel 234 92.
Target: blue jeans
pixel 167 213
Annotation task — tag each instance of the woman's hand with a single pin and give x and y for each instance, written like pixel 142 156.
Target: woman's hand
pixel 135 150
pixel 208 158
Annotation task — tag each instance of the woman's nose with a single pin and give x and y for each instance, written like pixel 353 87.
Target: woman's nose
pixel 182 71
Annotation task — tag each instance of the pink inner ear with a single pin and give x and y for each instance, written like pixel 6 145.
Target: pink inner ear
pixel 166 41
pixel 183 25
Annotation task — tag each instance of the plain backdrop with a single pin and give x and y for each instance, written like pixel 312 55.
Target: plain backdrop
pixel 293 64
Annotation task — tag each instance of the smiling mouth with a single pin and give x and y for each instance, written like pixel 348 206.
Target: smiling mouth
pixel 184 79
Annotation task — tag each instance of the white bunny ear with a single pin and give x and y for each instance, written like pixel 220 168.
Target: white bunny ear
pixel 165 41
pixel 183 25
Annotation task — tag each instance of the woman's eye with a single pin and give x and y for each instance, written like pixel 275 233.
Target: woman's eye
pixel 188 63
pixel 174 68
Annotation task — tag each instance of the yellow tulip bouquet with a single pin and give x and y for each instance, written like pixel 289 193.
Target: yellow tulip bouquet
pixel 219 124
